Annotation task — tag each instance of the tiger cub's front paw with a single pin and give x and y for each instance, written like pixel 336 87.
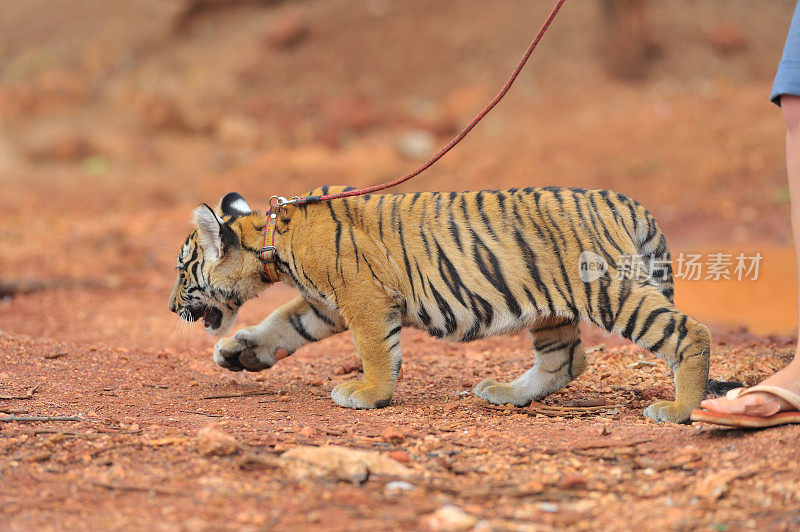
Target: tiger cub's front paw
pixel 361 394
pixel 243 351
pixel 669 411
pixel 500 393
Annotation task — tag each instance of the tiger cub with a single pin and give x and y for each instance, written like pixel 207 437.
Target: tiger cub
pixel 461 266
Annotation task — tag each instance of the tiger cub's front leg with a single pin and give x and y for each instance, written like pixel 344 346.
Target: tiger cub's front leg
pixel 377 338
pixel 290 327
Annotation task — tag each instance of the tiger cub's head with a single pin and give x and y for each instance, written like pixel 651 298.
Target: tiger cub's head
pixel 217 272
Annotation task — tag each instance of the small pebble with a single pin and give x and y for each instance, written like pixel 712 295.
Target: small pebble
pixel 392 435
pixel 450 518
pixel 397 486
pixel 399 456
pixel 548 507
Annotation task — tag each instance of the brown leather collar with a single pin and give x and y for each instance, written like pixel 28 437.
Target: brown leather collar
pixel 267 253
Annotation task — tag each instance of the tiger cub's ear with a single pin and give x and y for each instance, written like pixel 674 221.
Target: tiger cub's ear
pixel 233 204
pixel 214 234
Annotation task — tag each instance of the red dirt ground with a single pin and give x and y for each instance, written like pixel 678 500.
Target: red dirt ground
pixel 116 119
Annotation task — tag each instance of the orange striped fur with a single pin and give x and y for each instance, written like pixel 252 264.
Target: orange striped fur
pixel 461 266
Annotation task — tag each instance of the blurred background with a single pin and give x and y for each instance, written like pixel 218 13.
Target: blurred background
pixel 118 117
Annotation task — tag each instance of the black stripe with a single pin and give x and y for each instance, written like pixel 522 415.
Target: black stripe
pixel 625 291
pixel 446 311
pixel 501 201
pixel 422 279
pixel 604 302
pixel 668 330
pixel 593 217
pixel 545 345
pixel 338 236
pixel 572 349
pixel 310 282
pixel 603 282
pixel 569 298
pixel 294 320
pixel 650 319
pixel 530 263
pixel 487 315
pixel 531 299
pixel 371 271
pixel 424 317
pixel 682 331
pixel 557 193
pixel 472 333
pixel 628 331
pixel 449 274
pixel 425 243
pixel 453 227
pixel 322 317
pixel 609 238
pixel 395 212
pixel 407 263
pixel 394 331
pixel 484 217
pixel 380 216
pixel 347 212
pixel 355 248
pixel 493 273
pixel 634 218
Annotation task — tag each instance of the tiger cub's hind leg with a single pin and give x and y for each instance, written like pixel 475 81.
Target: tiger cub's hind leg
pixel 652 322
pixel 559 359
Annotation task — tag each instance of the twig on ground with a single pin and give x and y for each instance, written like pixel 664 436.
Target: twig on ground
pixel 640 363
pixel 114 446
pixel 240 394
pixel 558 411
pixel 605 445
pixel 6 410
pixel 28 394
pixel 594 445
pixel 12 288
pixel 505 491
pixel 630 389
pixel 201 413
pixel 117 430
pixel 29 419
pixel 53 356
pixel 38 455
pixel 127 487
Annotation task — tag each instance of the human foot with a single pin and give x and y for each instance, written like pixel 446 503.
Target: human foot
pixel 760 404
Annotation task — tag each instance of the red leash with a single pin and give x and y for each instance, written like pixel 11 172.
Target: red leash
pixel 267 254
pixel 458 138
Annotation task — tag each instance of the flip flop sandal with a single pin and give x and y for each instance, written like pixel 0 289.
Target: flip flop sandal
pixel 756 422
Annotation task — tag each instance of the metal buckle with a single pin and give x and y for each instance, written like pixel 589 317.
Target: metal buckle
pixel 276 201
pixel 280 201
pixel 271 258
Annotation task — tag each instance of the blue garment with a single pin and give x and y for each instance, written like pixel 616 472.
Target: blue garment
pixel 787 79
